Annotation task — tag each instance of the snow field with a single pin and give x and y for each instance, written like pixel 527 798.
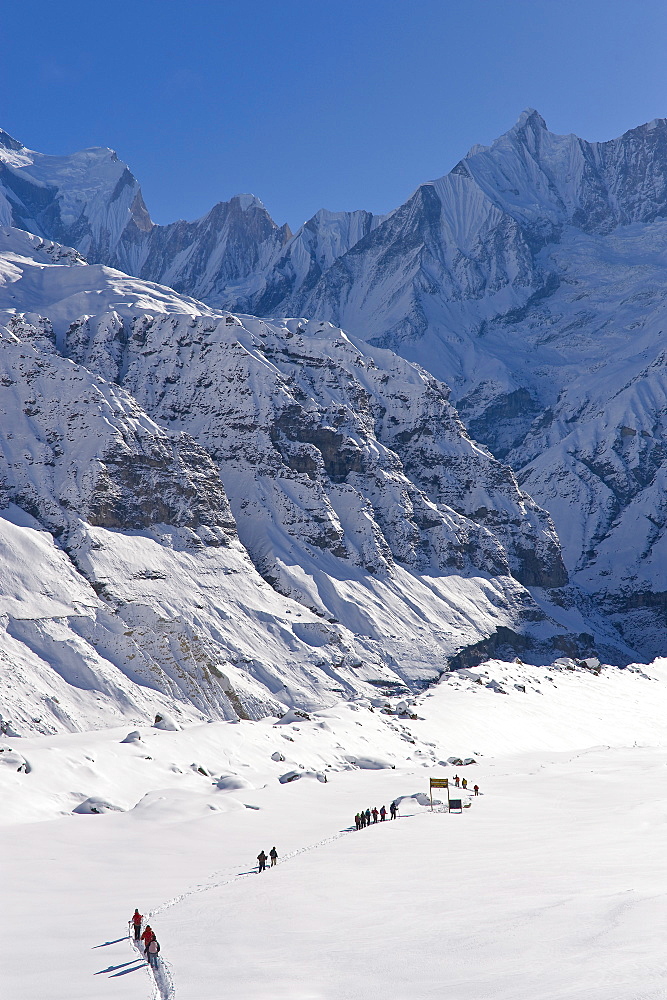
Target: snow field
pixel 550 885
pixel 519 897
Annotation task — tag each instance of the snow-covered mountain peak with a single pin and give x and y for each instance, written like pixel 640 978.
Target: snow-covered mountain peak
pixel 9 142
pixel 247 201
pixel 88 199
pixel 12 152
pixel 528 120
pixel 529 117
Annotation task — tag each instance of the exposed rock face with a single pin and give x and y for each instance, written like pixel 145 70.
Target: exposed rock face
pixel 131 473
pixel 148 599
pixel 363 453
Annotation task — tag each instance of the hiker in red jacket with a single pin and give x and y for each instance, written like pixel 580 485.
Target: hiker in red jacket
pixel 375 812
pixel 147 936
pixel 136 923
pixel 476 789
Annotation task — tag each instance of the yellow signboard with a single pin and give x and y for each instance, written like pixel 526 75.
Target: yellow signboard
pixel 439 782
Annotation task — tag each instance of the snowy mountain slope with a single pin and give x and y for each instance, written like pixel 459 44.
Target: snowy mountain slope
pixel 148 600
pixel 354 487
pixel 329 454
pixel 597 451
pixel 29 284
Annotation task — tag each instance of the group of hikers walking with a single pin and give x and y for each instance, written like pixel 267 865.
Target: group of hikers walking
pixel 362 819
pixel 262 858
pixel 148 940
pixel 463 783
pixel 367 816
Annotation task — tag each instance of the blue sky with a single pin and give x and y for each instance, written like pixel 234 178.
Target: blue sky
pixel 312 104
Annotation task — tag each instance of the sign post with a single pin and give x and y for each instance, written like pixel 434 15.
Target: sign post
pixel 439 783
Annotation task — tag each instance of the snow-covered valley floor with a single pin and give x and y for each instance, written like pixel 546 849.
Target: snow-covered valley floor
pixel 552 884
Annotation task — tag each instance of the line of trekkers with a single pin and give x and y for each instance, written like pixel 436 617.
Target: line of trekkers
pixel 368 816
pixel 147 938
pixel 463 783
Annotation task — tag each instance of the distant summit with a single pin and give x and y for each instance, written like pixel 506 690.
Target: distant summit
pixel 8 142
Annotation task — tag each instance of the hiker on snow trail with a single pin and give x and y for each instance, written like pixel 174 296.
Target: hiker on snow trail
pixel 261 857
pixel 147 936
pixel 362 819
pixel 476 789
pixel 456 780
pixel 357 821
pixel 383 814
pixel 464 783
pixel 375 814
pixel 136 923
pixel 273 854
pixel 393 809
pixel 153 951
pixel 368 817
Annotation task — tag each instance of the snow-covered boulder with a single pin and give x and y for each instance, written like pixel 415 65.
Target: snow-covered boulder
pixel 410 805
pixel 293 715
pixel 285 779
pixel 368 763
pixel 12 759
pixel 232 782
pixel 94 805
pixel 165 722
pixel 296 775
